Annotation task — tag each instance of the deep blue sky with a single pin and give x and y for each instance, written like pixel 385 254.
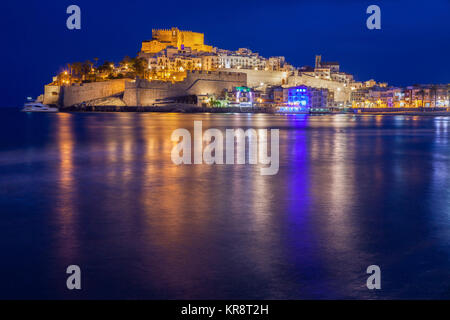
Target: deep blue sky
pixel 413 45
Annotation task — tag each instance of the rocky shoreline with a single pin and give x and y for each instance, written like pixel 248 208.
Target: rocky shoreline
pixel 179 108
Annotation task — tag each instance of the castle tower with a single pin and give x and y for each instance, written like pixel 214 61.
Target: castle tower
pixel 318 61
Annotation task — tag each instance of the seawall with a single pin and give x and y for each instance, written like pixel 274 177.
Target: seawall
pixel 77 93
pixel 181 108
pixel 148 93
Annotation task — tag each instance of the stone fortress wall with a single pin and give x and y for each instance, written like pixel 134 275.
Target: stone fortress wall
pixel 146 93
pixel 141 92
pixel 256 78
pixel 342 93
pixel 52 94
pixel 77 93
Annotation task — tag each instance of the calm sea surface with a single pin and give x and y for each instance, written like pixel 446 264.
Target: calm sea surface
pixel 100 191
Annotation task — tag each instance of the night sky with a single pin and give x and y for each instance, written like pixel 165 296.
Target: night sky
pixel 413 45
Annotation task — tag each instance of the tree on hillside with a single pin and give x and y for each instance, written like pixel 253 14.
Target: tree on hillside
pixel 139 66
pixel 106 67
pixel 77 68
pixel 86 67
pixel 126 61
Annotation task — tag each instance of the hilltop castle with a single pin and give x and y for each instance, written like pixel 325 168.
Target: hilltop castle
pixel 163 38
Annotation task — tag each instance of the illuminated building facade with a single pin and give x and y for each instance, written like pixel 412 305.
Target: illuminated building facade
pixel 418 96
pixel 246 59
pixel 243 96
pixel 303 99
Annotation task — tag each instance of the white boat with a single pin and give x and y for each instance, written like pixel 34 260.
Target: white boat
pixel 38 107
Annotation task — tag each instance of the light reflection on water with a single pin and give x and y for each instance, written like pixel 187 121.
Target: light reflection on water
pixel 100 191
pixel 65 215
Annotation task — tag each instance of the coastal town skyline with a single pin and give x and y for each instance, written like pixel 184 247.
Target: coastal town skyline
pixel 366 58
pixel 178 69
